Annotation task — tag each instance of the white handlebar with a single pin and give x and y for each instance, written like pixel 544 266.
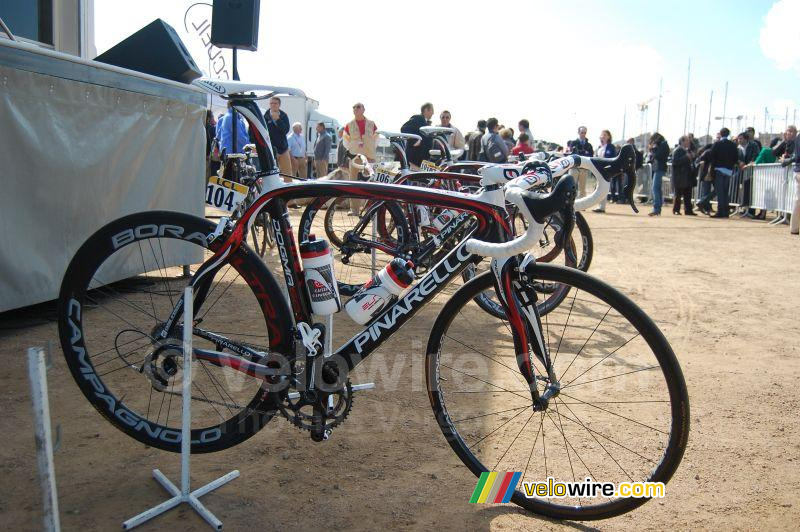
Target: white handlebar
pixel 603 186
pixel 520 244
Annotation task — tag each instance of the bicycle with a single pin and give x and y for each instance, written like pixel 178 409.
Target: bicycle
pixel 625 389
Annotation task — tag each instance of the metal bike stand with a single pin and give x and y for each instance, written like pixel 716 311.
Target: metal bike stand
pixel 184 494
pixel 37 373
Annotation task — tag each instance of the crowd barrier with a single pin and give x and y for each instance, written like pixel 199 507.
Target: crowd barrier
pixel 771 187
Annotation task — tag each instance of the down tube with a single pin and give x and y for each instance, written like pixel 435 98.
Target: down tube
pixel 364 343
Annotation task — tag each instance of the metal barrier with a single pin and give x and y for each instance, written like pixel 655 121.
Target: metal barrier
pixel 644 183
pixel 772 188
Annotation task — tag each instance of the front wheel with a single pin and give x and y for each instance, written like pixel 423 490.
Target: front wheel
pixel 622 413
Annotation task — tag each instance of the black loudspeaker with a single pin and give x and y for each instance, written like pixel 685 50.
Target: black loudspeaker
pixel 155 49
pixel 234 24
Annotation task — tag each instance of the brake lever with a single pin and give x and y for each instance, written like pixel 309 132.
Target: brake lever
pixel 564 236
pixel 630 185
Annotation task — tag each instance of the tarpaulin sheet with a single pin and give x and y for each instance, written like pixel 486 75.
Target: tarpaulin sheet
pixel 82 144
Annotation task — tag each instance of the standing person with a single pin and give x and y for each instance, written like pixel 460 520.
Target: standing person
pixel 322 150
pixel 342 162
pixel 766 155
pixel 606 150
pixel 748 151
pixel 639 155
pixel 724 157
pixel 523 145
pixel 212 145
pixel 660 153
pixel 525 127
pixel 360 138
pixel 419 151
pixel 682 176
pixel 751 134
pixel 494 148
pixel 508 137
pixel 706 177
pixel 278 128
pixel 456 140
pixel 581 146
pixel 694 144
pixel 474 151
pixel 224 132
pixel 785 149
pixel 297 151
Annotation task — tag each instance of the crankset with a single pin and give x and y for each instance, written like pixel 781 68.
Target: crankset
pixel 319 411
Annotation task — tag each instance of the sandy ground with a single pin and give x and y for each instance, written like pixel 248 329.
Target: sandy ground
pixel 725 293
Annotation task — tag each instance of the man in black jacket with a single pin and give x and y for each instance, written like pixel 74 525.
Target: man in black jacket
pixel 418 152
pixel 581 145
pixel 682 176
pixel 724 157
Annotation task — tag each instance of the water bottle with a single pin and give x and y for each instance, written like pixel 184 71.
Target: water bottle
pixel 384 288
pixel 424 216
pixel 443 219
pixel 323 290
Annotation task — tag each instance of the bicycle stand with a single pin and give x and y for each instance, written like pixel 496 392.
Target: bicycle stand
pixel 184 494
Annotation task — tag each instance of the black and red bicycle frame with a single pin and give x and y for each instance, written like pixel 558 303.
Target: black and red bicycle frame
pixel 491 225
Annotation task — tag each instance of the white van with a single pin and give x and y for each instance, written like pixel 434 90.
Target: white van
pixel 294 102
pixel 304 110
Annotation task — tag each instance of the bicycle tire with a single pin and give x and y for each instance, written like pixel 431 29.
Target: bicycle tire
pixel 452 424
pixel 75 306
pixel 261 234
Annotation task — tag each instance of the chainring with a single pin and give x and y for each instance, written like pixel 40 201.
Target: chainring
pixel 300 411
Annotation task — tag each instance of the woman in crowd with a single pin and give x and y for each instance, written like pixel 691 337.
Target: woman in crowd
pixel 508 137
pixel 607 150
pixel 766 155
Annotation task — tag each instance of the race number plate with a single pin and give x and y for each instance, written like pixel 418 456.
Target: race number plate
pixel 385 174
pixel 428 166
pixel 223 194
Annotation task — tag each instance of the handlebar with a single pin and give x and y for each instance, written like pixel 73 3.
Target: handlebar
pixel 392 136
pixel 536 208
pixel 366 165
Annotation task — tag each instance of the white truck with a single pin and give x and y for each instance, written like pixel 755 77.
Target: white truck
pixel 304 110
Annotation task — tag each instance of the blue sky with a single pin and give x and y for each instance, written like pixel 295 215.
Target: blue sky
pixel 559 64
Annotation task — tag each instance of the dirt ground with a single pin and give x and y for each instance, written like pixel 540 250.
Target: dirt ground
pixel 725 293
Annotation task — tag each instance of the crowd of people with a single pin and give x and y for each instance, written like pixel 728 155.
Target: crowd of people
pixel 709 167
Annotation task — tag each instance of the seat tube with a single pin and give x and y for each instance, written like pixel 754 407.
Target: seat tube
pixel 290 260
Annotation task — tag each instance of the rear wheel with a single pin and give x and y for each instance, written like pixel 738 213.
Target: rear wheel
pixel 262 236
pixel 622 413
pixel 119 289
